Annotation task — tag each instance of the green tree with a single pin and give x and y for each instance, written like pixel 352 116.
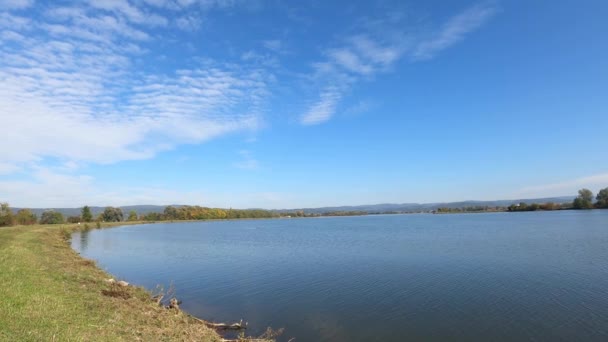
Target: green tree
pixel 152 217
pixel 86 215
pixel 6 215
pixel 602 198
pixel 111 214
pixel 584 199
pixel 51 217
pixel 25 217
pixel 132 216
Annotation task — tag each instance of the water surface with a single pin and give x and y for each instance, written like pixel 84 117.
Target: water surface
pixel 497 277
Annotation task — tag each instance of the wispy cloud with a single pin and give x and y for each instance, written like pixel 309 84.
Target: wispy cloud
pixel 15 4
pixel 364 55
pixel 358 58
pixel 455 30
pixel 178 5
pixel 593 182
pixel 247 162
pixel 189 22
pixel 8 168
pixel 273 44
pixel 350 61
pixel 362 106
pixel 323 109
pixel 124 9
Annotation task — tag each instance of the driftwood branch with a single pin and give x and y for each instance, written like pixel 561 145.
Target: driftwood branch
pixel 266 337
pixel 158 298
pixel 224 326
pixel 254 340
pixel 247 340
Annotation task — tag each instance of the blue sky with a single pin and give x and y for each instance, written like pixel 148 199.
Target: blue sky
pixel 283 104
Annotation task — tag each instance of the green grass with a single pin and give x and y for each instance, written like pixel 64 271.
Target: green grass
pixel 50 293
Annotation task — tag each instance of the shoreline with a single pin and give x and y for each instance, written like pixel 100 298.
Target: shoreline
pixel 51 292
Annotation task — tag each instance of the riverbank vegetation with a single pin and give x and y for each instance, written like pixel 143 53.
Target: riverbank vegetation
pixel 50 293
pixel 470 209
pixel 170 213
pixel 584 200
pixel 538 206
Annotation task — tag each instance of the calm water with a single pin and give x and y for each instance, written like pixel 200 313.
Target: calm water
pixel 493 277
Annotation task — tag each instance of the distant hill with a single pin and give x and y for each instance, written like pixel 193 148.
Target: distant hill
pixel 417 207
pixel 372 208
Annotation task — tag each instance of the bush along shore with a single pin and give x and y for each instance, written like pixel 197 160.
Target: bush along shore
pixel 50 293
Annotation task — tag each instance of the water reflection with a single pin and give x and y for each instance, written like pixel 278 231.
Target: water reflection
pixel 84 240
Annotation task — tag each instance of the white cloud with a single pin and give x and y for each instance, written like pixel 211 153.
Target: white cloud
pixel 53 189
pixel 48 189
pixel 455 29
pixel 15 4
pixel 350 61
pixel 189 22
pixel 14 22
pixel 375 53
pixel 593 182
pixel 70 89
pixel 124 8
pixel 188 4
pixel 10 35
pixel 359 57
pixel 362 56
pixel 323 109
pixel 7 168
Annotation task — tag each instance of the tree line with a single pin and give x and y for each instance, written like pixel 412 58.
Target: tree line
pixel 113 214
pixel 584 200
pixel 523 206
pixel 470 209
pixel 203 213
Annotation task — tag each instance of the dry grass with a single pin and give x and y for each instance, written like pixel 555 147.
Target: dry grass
pixel 50 293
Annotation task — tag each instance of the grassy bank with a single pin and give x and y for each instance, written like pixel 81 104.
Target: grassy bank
pixel 50 293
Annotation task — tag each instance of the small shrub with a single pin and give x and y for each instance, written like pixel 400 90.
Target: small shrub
pixel 65 234
pixel 87 262
pixel 98 224
pixel 117 292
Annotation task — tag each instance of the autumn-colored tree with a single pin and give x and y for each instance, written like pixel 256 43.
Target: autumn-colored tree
pixel 25 217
